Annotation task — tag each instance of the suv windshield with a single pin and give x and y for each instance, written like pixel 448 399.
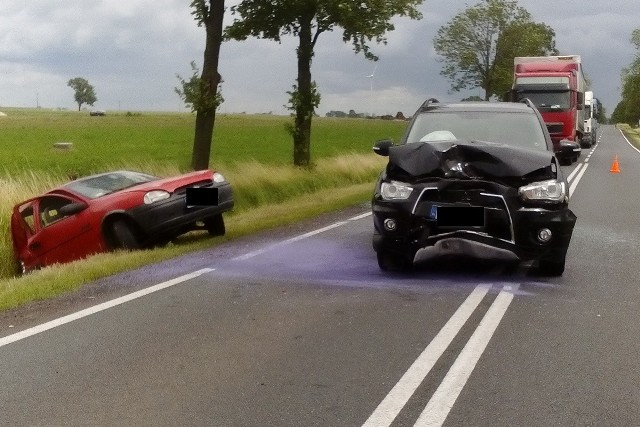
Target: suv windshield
pixel 518 129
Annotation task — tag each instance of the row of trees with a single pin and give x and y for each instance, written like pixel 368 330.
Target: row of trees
pixel 628 109
pixel 477 48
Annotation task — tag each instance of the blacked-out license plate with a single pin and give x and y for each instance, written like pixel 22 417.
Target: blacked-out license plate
pixel 202 197
pixel 460 216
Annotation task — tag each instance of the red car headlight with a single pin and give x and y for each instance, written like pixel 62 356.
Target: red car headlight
pixel 155 196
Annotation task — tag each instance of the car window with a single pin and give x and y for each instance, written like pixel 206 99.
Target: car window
pixel 49 209
pixel 26 212
pixel 512 128
pixel 101 185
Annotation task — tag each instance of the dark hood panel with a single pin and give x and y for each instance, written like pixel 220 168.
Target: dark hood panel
pixel 469 160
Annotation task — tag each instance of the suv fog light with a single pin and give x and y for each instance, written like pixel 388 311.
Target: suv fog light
pixel 544 235
pixel 390 224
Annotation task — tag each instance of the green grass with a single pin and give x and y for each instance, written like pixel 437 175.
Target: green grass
pixel 253 152
pixel 28 137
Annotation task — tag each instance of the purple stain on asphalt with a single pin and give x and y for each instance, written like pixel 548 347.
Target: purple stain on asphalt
pixel 352 264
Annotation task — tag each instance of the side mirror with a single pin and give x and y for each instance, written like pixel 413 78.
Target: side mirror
pixel 580 100
pixel 73 208
pixel 381 147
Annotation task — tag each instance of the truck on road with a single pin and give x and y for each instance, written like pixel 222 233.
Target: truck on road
pixel 591 124
pixel 556 85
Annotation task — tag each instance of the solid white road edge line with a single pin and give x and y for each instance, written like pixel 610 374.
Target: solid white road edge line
pixel 628 142
pixel 445 396
pixel 400 394
pixel 100 307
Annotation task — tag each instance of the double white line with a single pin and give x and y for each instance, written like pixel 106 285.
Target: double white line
pixel 445 396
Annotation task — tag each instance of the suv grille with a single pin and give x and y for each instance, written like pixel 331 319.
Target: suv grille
pixel 498 222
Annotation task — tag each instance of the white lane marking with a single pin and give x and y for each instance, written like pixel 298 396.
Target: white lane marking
pixel 300 237
pixel 628 142
pixel 445 396
pixel 400 394
pixel 100 307
pixel 575 171
pixel 361 216
pixel 575 182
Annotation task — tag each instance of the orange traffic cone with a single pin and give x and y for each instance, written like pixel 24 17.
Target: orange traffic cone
pixel 615 167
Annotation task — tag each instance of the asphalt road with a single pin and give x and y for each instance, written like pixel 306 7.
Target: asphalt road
pixel 298 327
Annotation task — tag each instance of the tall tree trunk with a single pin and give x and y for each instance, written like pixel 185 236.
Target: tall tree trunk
pixel 304 108
pixel 205 119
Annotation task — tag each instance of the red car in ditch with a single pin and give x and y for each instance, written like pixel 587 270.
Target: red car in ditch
pixel 116 210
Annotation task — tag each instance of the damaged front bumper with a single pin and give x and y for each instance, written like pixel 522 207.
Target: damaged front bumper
pixel 484 220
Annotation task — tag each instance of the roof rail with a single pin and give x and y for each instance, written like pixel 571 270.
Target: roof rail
pixel 428 102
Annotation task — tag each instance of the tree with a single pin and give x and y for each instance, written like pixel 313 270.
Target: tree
pixel 478 45
pixel 519 39
pixel 628 109
pixel 84 93
pixel 362 22
pixel 201 93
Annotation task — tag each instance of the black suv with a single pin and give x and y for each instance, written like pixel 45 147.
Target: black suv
pixel 472 178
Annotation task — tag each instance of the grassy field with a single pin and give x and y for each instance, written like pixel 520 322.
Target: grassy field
pixel 253 152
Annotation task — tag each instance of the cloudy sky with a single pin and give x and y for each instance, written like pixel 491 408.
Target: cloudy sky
pixel 131 51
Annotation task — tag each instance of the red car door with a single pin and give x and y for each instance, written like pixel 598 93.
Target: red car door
pixel 60 238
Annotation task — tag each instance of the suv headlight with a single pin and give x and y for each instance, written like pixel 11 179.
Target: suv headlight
pixel 155 196
pixel 395 190
pixel 545 191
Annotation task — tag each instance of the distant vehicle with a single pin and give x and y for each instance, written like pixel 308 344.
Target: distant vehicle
pixel 116 210
pixel 591 125
pixel 97 113
pixel 556 85
pixel 472 178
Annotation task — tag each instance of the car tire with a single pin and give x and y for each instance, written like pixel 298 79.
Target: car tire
pixel 551 267
pixel 215 225
pixel 20 267
pixel 123 236
pixel 390 261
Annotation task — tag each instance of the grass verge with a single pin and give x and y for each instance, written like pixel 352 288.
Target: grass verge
pixel 632 134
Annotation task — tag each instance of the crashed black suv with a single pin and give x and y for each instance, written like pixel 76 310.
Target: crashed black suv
pixel 472 178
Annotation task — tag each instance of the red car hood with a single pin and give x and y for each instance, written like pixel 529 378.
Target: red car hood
pixel 174 182
pixel 168 184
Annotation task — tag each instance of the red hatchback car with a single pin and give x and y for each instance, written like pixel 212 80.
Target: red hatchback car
pixel 116 210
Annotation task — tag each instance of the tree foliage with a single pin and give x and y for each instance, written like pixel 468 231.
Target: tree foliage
pixel 361 22
pixel 628 109
pixel 478 45
pixel 194 92
pixel 201 93
pixel 83 91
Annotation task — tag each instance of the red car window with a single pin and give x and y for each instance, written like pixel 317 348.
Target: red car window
pixel 49 209
pixel 26 212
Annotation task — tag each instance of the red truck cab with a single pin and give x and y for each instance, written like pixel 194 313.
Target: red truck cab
pixel 556 85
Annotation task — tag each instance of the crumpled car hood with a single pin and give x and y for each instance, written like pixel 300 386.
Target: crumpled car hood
pixel 469 160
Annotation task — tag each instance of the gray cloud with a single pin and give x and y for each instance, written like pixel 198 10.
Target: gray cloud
pixel 131 51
